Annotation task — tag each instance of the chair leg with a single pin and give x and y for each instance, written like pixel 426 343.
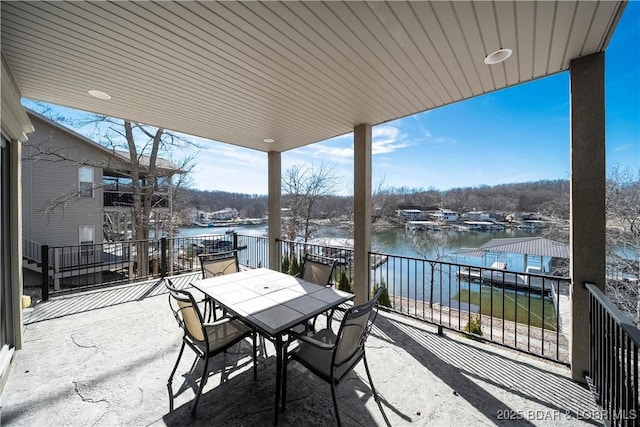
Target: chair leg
pixel 285 364
pixel 366 368
pixel 255 355
pixel 335 401
pixel 373 390
pixel 203 380
pixel 173 371
pixel 210 307
pixel 330 317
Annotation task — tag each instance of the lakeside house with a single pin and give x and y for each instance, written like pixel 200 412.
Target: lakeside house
pixel 445 215
pixel 411 214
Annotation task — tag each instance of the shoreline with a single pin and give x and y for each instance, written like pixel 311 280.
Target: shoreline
pixel 547 343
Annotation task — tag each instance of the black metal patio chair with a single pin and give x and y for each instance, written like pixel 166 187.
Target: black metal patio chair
pixel 319 270
pixel 205 339
pixel 332 356
pixel 216 264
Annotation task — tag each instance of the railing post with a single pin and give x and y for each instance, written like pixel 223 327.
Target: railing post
pixel 58 263
pixel 44 256
pixel 235 240
pixel 163 257
pixel 131 260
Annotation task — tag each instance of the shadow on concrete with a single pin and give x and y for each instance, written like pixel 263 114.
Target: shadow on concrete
pixel 81 302
pixel 464 366
pixel 241 401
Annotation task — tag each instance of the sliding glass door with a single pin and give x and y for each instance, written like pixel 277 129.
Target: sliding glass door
pixel 6 313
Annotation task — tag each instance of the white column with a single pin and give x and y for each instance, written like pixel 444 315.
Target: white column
pixel 361 210
pixel 588 180
pixel 15 127
pixel 275 191
pixel 15 196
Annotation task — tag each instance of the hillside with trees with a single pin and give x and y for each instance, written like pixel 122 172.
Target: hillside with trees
pixel 549 197
pixel 248 205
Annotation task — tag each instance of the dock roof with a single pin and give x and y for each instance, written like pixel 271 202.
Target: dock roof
pixel 521 245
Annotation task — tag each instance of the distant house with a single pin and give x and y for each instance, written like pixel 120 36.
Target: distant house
pixel 411 214
pixel 445 215
pixel 224 214
pixel 76 192
pixel 525 216
pixel 477 215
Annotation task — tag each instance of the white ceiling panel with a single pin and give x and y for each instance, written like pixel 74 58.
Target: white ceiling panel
pixel 296 72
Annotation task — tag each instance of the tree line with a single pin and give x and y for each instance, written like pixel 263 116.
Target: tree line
pixel 546 196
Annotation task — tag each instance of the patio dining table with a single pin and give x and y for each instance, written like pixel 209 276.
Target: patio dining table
pixel 272 302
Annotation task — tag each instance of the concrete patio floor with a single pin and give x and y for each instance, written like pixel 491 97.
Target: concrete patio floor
pixel 103 358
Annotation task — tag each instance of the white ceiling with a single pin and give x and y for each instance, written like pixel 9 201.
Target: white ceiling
pixel 296 72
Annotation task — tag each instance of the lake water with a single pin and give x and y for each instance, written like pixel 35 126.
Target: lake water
pixel 397 241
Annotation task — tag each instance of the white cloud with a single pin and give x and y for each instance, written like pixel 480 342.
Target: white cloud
pixel 229 168
pixel 622 147
pixel 385 139
pixel 340 152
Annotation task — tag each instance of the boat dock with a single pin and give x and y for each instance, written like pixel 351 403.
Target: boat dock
pixel 505 279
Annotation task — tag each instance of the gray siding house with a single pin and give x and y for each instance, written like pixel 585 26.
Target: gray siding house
pixel 76 195
pixel 62 195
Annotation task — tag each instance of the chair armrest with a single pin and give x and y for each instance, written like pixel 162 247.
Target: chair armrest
pixel 221 321
pixel 313 342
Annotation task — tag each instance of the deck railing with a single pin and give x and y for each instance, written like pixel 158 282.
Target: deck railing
pixel 613 350
pixel 31 250
pixel 523 311
pixel 125 198
pixel 81 267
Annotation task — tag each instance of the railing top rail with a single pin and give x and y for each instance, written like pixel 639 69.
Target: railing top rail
pixel 620 318
pixel 458 264
pixel 320 245
pixel 133 242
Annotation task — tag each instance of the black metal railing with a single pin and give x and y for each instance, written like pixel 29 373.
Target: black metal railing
pixel 81 267
pixel 125 198
pixel 613 354
pixel 522 311
pixel 254 251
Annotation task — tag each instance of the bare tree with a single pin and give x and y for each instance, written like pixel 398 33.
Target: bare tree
pixel 303 187
pixel 136 151
pixel 433 246
pixel 623 238
pixel 622 205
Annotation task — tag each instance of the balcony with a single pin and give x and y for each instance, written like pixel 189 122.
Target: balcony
pixel 108 350
pixel 125 199
pixel 103 357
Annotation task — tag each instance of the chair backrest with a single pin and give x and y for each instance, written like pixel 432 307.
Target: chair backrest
pixel 219 263
pixel 354 330
pixel 186 312
pixel 318 269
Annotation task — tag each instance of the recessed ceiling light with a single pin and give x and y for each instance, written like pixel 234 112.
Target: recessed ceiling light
pixel 267 140
pixel 498 56
pixel 99 94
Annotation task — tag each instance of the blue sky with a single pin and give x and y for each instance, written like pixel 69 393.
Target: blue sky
pixel 514 135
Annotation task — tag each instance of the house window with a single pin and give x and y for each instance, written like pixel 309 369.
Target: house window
pixel 85 178
pixel 87 233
